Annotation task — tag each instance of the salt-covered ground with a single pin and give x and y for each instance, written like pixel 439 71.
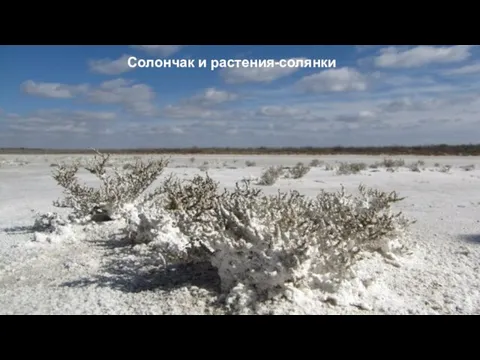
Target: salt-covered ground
pixel 93 276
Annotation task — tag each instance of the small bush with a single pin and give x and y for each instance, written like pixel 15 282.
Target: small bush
pixel 270 175
pixel 116 189
pixel 204 167
pixel 415 167
pixel 445 169
pixel 436 165
pixel 298 171
pixel 192 160
pixel 329 167
pixel 350 168
pixel 249 163
pixel 468 167
pixel 315 163
pixel 47 222
pixel 393 163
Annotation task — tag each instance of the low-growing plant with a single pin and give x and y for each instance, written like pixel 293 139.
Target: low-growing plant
pixel 445 169
pixel 270 175
pixel 393 163
pixel 298 171
pixel 415 167
pixel 315 163
pixel 468 167
pixel 204 167
pixel 270 243
pixel 249 163
pixel 116 188
pixel 350 168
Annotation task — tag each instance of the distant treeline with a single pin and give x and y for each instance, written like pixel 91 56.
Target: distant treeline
pixel 426 150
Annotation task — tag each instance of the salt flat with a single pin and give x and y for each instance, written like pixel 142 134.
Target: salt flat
pixel 439 276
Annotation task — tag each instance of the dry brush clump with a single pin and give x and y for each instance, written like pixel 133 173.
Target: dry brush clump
pixel 270 175
pixel 298 171
pixel 392 163
pixel 350 168
pixel 316 163
pixel 416 166
pixel 117 186
pixel 263 244
pixel 446 169
pixel 468 167
pixel 270 243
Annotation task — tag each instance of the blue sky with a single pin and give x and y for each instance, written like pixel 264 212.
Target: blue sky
pixel 88 96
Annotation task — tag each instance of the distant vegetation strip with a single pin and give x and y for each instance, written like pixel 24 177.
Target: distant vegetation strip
pixel 427 150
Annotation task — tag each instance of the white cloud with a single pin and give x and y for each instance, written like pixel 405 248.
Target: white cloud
pixel 159 50
pixel 55 121
pixel 394 57
pixel 362 48
pixel 76 115
pixel 410 104
pixel 359 117
pixel 289 112
pixel 464 70
pixel 135 98
pixel 189 112
pixel 334 80
pixel 52 90
pixel 109 66
pixel 242 75
pixel 211 96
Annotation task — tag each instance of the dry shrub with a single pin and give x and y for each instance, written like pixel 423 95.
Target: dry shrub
pixel 298 171
pixel 392 163
pixel 350 168
pixel 270 243
pixel 468 167
pixel 415 167
pixel 271 175
pixel 117 187
pixel 315 163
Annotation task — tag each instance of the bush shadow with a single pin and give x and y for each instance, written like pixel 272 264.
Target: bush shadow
pixel 18 230
pixel 128 269
pixel 471 238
